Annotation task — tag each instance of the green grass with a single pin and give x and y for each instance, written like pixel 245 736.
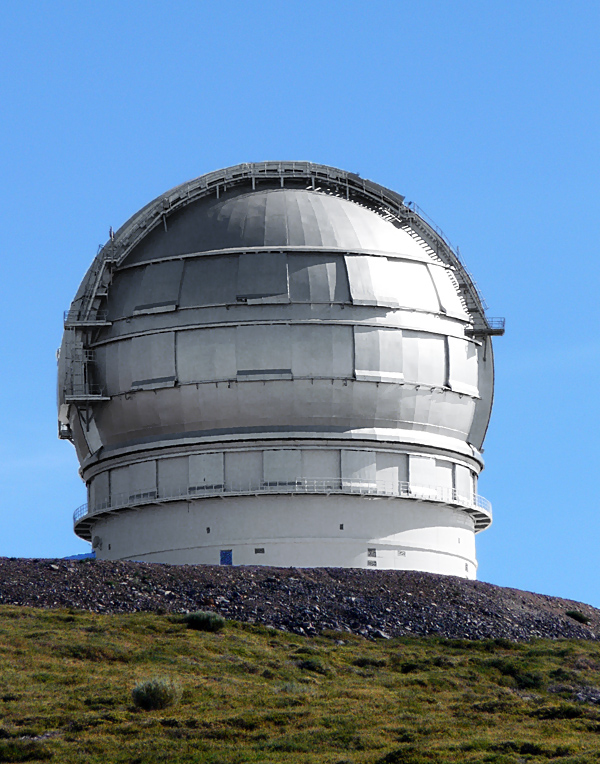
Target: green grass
pixel 252 694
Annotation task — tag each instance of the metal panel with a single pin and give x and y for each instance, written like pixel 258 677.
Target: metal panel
pixel 384 287
pixel 124 293
pixel 243 470
pixel 153 360
pixel 462 366
pixel 99 491
pixel 173 476
pixel 209 281
pixel 318 220
pixel 115 361
pixel 159 288
pixel 424 358
pixel 378 353
pixel 206 471
pixel 119 484
pixel 444 474
pixel 358 468
pixel 362 291
pixel 391 468
pixel 422 475
pixel 295 233
pixel 262 277
pixel 282 466
pixel 411 285
pixel 447 291
pixel 255 218
pixel 275 219
pixel 124 365
pixel 142 481
pixel 485 386
pixel 317 278
pixel 318 464
pixel 206 354
pixel 263 351
pixel 463 480
pixel 322 350
pixel 458 414
pixel 92 436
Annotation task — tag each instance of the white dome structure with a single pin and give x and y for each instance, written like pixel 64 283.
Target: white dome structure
pixel 279 364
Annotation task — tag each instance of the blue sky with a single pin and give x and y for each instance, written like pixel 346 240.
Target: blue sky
pixel 487 114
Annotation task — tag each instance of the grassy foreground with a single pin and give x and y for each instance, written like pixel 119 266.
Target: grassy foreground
pixel 252 694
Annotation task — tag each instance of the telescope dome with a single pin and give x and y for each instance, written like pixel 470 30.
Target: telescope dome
pixel 260 357
pixel 277 217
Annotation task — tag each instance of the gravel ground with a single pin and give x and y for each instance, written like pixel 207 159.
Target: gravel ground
pixel 377 604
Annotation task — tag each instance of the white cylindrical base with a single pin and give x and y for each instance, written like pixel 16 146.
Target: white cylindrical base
pixel 295 531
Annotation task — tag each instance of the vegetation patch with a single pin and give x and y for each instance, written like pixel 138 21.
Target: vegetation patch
pixel 204 620
pixel 23 750
pixel 252 695
pixel 156 693
pixel 578 616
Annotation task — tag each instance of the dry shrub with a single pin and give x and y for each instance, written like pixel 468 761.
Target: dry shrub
pixel 156 693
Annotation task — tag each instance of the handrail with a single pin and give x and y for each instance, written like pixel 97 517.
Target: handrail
pixel 390 489
pixel 73 317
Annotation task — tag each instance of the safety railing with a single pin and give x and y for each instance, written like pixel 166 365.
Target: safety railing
pixel 72 317
pixel 390 489
pixel 80 512
pixel 489 326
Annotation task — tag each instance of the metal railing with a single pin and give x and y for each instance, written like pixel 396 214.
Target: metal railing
pixel 391 489
pixel 73 317
pixel 491 327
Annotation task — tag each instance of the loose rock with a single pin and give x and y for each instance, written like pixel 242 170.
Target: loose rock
pixel 376 604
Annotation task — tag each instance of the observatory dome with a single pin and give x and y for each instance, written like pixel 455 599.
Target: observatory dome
pixel 279 364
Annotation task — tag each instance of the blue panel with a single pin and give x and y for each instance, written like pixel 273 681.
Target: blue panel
pixel 226 556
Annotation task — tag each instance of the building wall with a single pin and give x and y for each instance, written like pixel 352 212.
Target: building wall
pixel 298 531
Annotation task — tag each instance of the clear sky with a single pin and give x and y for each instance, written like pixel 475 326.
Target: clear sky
pixel 487 114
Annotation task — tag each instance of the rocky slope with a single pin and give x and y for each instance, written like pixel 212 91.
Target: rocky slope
pixel 306 601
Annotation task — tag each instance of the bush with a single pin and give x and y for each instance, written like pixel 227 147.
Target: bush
pixel 368 662
pixel 576 615
pixel 563 711
pixel 156 693
pixel 313 664
pixel 524 679
pixel 204 620
pixel 23 750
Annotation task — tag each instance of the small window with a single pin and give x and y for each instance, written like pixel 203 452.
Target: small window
pixel 109 546
pixel 341 526
pixel 401 553
pixel 259 550
pixel 467 567
pixel 208 530
pixel 372 563
pixel 371 552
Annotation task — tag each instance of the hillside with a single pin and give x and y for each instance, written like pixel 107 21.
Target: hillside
pixel 302 601
pixel 254 695
pixel 362 667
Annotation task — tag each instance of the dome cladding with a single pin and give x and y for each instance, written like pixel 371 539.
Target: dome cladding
pixel 279 335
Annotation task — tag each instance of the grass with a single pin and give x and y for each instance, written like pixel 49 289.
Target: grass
pixel 255 695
